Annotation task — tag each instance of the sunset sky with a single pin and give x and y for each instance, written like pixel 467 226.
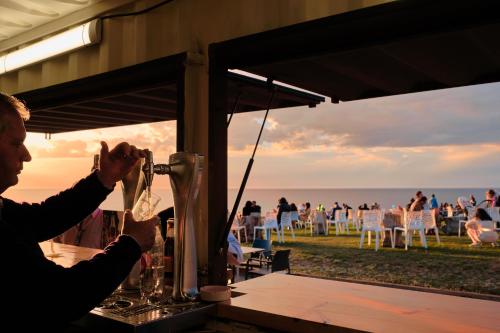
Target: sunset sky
pixel 445 138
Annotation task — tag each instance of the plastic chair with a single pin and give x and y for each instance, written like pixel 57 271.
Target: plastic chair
pixel 372 221
pixel 294 216
pixel 494 213
pixel 429 219
pixel 413 222
pixel 352 219
pixel 237 227
pixel 340 222
pixel 286 222
pixel 309 223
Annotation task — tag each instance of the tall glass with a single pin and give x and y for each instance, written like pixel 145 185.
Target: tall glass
pixel 145 207
pixel 151 278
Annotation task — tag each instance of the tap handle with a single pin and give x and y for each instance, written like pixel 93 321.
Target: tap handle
pixel 148 168
pixel 95 166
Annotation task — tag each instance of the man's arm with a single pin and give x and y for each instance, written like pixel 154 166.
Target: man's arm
pixel 57 294
pixel 59 212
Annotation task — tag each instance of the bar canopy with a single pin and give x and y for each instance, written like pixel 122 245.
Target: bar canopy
pixel 394 48
pixel 143 93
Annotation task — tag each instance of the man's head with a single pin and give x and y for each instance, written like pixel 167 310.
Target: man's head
pixel 418 195
pixel 13 152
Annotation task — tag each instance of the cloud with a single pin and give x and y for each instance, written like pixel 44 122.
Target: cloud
pixel 382 167
pixel 159 138
pixel 459 116
pixel 63 148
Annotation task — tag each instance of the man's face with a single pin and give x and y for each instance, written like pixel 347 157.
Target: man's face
pixel 13 152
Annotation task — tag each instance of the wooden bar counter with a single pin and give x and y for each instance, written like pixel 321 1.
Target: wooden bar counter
pixel 137 317
pixel 302 304
pixel 293 303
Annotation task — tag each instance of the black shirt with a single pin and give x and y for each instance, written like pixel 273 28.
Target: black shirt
pixel 38 292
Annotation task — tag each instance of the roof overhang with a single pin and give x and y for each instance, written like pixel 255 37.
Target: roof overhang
pixel 143 93
pixel 395 48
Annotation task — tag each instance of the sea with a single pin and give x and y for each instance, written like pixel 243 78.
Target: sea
pixel 268 198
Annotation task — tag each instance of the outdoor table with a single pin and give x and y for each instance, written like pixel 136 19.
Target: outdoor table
pixel 250 250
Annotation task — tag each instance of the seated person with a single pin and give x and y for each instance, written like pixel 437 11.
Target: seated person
pixel 481 229
pixel 247 210
pixel 419 204
pixel 303 216
pixel 234 253
pixel 283 206
pixel 293 208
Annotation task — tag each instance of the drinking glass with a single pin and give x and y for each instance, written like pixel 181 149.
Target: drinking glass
pixel 147 284
pixel 145 207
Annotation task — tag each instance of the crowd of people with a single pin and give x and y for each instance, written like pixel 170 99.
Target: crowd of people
pixel 417 203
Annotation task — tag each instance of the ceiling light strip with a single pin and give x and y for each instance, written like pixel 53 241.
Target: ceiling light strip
pixel 86 34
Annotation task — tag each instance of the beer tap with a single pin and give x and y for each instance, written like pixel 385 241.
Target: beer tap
pixel 185 170
pixel 150 168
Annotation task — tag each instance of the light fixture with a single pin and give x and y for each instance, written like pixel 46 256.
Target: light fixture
pixel 85 34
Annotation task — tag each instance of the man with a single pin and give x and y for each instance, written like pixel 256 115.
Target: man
pixel 36 291
pixel 335 208
pixel 256 208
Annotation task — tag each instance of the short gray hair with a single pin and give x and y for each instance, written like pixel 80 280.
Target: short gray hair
pixel 12 105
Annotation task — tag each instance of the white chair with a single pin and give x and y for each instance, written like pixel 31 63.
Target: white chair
pixel 352 219
pixel 294 216
pixel 237 226
pixel 372 222
pixel 309 223
pixel 237 229
pixel 494 213
pixel 340 222
pixel 429 219
pixel 413 222
pixel 286 222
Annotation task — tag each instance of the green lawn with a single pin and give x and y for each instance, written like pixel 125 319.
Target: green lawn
pixel 452 265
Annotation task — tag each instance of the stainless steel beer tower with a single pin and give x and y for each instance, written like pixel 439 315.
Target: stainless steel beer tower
pixel 185 171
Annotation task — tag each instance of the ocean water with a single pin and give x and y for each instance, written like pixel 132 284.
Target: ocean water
pixel 268 198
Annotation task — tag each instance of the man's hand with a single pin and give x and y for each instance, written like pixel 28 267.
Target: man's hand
pixel 117 163
pixel 143 231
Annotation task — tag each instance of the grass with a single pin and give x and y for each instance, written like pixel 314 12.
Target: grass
pixel 453 265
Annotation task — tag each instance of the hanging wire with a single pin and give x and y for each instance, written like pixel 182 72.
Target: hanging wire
pixel 138 12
